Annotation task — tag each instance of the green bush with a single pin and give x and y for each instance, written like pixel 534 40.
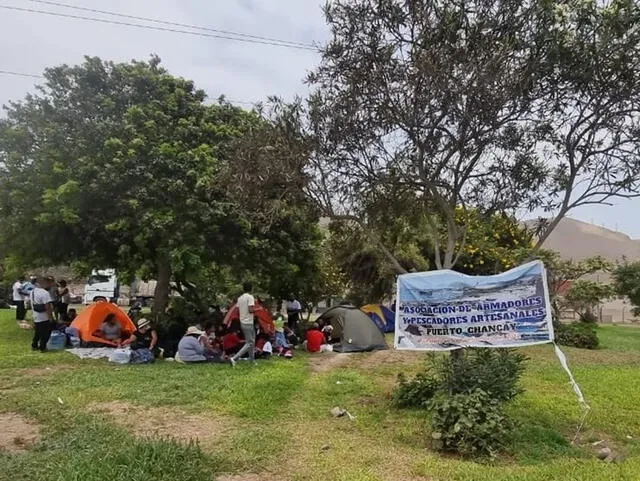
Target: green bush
pixel 416 392
pixel 577 334
pixel 471 424
pixel 494 371
pixel 466 393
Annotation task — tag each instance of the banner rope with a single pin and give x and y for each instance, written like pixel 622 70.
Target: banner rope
pixel 576 388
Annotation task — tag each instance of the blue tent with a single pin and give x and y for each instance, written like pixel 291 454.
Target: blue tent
pixel 382 316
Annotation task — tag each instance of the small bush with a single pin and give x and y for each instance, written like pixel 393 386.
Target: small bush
pixel 494 371
pixel 466 393
pixel 577 334
pixel 471 424
pixel 416 392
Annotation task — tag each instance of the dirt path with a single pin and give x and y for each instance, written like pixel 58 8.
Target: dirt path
pixel 16 433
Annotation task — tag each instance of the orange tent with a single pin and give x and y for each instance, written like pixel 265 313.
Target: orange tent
pixel 263 315
pixel 90 319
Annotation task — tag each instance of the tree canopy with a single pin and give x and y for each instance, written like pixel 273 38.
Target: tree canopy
pixel 497 106
pixel 123 165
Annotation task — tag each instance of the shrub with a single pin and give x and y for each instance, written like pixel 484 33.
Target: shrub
pixel 471 424
pixel 466 393
pixel 494 371
pixel 416 392
pixel 577 334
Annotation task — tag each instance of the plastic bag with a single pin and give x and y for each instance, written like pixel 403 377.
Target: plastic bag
pixel 120 356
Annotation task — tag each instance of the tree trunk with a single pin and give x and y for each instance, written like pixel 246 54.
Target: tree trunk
pixel 163 285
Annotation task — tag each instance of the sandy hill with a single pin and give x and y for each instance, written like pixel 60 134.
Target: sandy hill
pixel 575 239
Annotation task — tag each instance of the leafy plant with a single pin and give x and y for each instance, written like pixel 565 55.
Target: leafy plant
pixel 416 392
pixel 494 371
pixel 577 334
pixel 471 423
pixel 466 394
pixel 585 295
pixel 627 283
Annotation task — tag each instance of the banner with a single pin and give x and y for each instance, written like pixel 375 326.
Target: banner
pixel 446 310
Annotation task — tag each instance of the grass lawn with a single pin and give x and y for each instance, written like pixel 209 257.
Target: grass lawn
pixel 135 422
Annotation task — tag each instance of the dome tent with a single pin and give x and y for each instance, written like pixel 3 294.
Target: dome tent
pixel 356 331
pixel 384 317
pixel 90 319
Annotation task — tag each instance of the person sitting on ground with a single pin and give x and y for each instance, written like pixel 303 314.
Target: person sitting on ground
pixel 205 338
pixel 71 315
pixel 264 348
pixel 231 342
pixel 110 329
pixel 314 339
pixel 327 330
pixel 190 350
pixel 145 337
pixel 291 336
pixel 211 351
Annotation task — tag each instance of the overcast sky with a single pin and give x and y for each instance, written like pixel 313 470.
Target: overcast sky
pixel 241 71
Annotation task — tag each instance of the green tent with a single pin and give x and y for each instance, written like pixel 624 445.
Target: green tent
pixel 356 331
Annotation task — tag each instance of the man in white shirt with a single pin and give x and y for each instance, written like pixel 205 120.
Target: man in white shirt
pixel 246 307
pixel 18 299
pixel 294 308
pixel 42 314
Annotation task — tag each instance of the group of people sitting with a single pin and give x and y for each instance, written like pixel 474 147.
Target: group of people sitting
pixel 319 337
pixel 209 343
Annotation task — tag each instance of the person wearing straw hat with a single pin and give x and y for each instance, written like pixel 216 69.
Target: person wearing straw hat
pixel 190 350
pixel 145 337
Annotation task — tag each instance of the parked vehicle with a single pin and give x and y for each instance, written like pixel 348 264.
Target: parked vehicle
pixel 103 284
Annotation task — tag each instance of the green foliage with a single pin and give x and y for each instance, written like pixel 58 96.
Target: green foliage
pixel 121 457
pixel 627 283
pixel 466 394
pixel 417 392
pixel 583 335
pixel 495 371
pixel 585 295
pixel 471 423
pixel 492 243
pixel 588 317
pixel 115 165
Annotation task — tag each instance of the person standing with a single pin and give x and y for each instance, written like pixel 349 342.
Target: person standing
pixel 18 299
pixel 64 298
pixel 53 293
pixel 294 308
pixel 246 307
pixel 27 287
pixel 42 314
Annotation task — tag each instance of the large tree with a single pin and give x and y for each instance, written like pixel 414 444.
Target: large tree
pixel 587 110
pixel 488 104
pixel 116 165
pixel 426 97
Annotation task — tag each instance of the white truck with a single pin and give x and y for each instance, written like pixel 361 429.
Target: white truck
pixel 103 284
